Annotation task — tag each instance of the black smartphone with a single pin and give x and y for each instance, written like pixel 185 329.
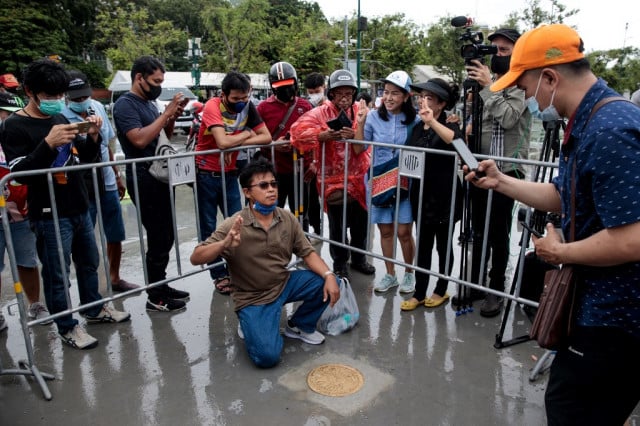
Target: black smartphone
pixel 528 227
pixel 465 154
pixel 339 122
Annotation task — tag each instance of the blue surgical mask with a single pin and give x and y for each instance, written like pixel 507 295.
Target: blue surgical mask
pixel 549 113
pixel 262 209
pixel 51 106
pixel 80 107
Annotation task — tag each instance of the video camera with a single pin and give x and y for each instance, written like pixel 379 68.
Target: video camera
pixel 474 49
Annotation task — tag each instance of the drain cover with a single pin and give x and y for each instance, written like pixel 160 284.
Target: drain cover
pixel 335 380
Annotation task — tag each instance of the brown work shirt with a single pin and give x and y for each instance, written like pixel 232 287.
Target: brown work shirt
pixel 258 266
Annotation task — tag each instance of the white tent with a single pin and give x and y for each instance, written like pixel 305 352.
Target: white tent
pixel 122 80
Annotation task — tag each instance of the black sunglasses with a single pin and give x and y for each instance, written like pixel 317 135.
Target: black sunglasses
pixel 265 185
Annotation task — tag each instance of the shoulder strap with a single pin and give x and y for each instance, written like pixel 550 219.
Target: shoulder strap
pixel 596 107
pixel 603 102
pixel 283 123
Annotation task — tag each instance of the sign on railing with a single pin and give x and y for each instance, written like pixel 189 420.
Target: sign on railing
pixel 412 163
pixel 182 170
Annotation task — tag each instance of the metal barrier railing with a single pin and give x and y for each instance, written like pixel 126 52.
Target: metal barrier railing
pixel 186 160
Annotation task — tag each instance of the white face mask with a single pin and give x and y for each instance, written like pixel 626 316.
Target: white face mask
pixel 316 98
pixel 548 114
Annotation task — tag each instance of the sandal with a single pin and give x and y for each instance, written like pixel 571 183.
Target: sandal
pixel 411 304
pixel 223 285
pixel 434 303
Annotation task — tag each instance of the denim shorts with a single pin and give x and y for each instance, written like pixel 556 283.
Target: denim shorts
pixel 388 214
pixel 111 216
pixel 24 244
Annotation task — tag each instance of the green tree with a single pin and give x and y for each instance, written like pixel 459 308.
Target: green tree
pixel 126 32
pixel 32 30
pixel 389 43
pixel 442 49
pixel 619 67
pixel 534 14
pixel 237 35
pixel 305 43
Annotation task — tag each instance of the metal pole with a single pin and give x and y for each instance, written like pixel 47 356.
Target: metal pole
pixel 346 43
pixel 358 47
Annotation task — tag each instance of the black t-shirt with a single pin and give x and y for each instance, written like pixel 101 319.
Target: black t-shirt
pixel 22 140
pixel 438 175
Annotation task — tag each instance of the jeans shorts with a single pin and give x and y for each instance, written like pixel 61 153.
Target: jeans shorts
pixel 388 214
pixel 24 244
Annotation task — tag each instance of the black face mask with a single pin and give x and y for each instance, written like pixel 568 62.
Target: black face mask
pixel 285 94
pixel 153 92
pixel 500 64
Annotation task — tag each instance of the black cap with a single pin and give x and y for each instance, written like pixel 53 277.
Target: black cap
pixel 79 86
pixel 508 33
pixel 8 102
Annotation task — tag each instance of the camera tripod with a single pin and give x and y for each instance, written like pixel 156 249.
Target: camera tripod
pixel 470 87
pixel 537 220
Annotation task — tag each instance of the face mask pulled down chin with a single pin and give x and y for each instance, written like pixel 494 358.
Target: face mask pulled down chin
pixel 548 114
pixel 153 92
pixel 263 209
pixel 51 106
pixel 500 64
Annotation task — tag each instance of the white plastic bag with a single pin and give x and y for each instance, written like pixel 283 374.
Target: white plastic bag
pixel 344 315
pixel 160 168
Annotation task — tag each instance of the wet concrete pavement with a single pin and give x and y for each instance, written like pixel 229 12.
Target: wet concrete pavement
pixel 425 367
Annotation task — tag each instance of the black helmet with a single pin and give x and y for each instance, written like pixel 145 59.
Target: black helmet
pixel 342 78
pixel 283 73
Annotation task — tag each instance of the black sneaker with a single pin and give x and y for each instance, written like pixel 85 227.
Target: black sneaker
pixel 341 272
pixel 176 294
pixel 168 305
pixel 491 306
pixel 364 268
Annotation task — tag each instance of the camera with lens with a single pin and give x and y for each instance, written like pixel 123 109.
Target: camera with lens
pixel 474 49
pixel 477 51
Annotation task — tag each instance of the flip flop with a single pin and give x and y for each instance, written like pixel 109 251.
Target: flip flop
pixel 433 303
pixel 223 285
pixel 410 305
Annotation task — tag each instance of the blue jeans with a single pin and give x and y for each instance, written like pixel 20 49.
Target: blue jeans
pixel 261 323
pixel 210 198
pixel 78 243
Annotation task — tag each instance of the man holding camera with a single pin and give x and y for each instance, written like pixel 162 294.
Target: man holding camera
pixel 506 126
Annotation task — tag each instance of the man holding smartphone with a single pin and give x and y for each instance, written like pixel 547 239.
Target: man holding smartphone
pixel 138 125
pixel 111 188
pixel 506 126
pixel 38 137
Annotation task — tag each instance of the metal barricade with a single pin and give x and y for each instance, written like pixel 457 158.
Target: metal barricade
pixel 182 167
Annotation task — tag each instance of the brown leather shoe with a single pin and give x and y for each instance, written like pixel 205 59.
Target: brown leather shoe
pixel 123 285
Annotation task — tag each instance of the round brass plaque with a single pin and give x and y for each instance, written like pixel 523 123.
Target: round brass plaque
pixel 335 380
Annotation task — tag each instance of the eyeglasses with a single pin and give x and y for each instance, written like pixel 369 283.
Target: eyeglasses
pixel 265 185
pixel 343 95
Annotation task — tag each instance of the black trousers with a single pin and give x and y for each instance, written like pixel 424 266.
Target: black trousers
pixel 155 212
pixel 498 236
pixel 357 229
pixel 594 381
pixel 429 233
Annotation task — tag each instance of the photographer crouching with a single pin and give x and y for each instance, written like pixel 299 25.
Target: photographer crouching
pixel 506 126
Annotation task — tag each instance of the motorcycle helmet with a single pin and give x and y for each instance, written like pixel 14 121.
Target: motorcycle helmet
pixel 341 78
pixel 283 74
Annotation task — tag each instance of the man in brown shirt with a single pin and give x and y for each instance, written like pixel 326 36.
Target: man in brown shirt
pixel 257 243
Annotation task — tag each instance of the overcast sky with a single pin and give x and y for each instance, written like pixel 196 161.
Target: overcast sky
pixel 600 24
